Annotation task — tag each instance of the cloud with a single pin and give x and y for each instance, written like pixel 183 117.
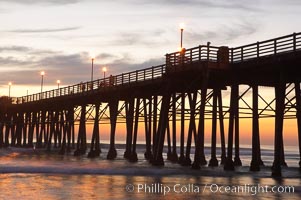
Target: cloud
pixel 77 67
pixel 137 37
pixel 48 2
pixel 124 64
pixel 45 30
pixel 14 48
pixel 27 50
pixel 240 30
pixel 12 61
pixel 71 69
pixel 125 39
pixel 287 2
pixel 233 4
pixel 2 10
pixel 225 33
pixel 105 56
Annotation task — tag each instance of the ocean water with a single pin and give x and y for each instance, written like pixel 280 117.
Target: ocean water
pixel 37 174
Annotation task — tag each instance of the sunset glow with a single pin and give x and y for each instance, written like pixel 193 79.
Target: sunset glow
pixel 150 99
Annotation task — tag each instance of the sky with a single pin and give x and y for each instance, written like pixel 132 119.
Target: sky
pixel 60 36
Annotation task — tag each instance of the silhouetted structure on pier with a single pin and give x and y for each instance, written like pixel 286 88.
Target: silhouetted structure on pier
pixel 187 87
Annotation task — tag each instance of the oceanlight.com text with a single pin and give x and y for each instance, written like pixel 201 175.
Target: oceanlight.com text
pixel 159 188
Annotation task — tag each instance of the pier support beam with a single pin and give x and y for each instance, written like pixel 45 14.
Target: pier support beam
pixel 52 117
pixel 280 100
pixel 12 126
pixel 158 157
pixel 32 123
pixel 148 128
pixel 199 156
pixel 42 130
pixel 213 161
pixel 168 141
pixel 129 112
pixel 237 161
pixel 282 157
pixel 72 131
pixel 171 139
pixel 57 130
pixel 19 129
pixel 182 136
pixel 68 130
pixel 255 163
pixel 64 123
pixel 1 130
pixel 25 128
pixel 95 146
pixel 48 125
pixel 229 165
pixel 192 127
pixel 174 154
pixel 81 138
pixel 134 157
pixel 6 126
pixel 113 107
pixel 37 131
pixel 155 113
pixel 61 125
pixel 222 128
pixel 13 129
pixel 298 108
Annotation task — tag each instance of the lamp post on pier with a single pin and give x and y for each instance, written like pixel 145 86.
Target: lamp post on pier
pixel 9 88
pixel 104 69
pixel 92 59
pixel 182 30
pixel 42 80
pixel 58 84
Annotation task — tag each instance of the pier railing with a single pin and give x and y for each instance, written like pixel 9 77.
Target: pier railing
pixel 272 47
pixel 99 84
pixel 196 54
pixel 284 44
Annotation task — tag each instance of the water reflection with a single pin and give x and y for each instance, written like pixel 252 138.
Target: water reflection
pixel 41 186
pixel 29 174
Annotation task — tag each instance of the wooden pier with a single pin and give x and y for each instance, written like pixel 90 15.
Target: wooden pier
pixel 188 87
